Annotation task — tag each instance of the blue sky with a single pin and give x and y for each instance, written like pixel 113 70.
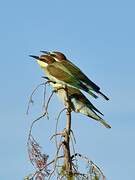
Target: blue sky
pixel 99 37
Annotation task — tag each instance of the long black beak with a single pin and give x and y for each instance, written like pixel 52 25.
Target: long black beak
pixel 45 52
pixel 35 57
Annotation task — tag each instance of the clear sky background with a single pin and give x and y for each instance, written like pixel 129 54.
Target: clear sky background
pixel 99 37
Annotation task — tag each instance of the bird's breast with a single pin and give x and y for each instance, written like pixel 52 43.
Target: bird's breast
pixel 78 105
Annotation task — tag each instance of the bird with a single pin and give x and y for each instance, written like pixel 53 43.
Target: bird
pixel 76 72
pixel 59 73
pixel 78 102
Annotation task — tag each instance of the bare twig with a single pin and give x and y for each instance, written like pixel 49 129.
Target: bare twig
pixel 31 96
pixel 57 134
pixel 55 161
pixel 40 117
pixel 44 97
pixel 56 129
pixel 94 167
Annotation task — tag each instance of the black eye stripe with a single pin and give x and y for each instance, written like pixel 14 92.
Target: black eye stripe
pixel 53 55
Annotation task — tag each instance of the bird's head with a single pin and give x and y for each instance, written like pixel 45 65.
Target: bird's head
pixel 58 56
pixel 43 60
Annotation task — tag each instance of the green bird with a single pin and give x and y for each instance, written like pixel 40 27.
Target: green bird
pixel 59 73
pixel 78 102
pixel 77 73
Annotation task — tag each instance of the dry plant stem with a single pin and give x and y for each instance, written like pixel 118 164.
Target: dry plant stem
pixel 66 145
pixel 55 161
pixel 57 120
pixel 43 115
pixel 89 162
pixel 30 99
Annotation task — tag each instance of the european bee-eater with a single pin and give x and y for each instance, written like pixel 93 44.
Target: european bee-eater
pixel 59 73
pixel 79 102
pixel 76 72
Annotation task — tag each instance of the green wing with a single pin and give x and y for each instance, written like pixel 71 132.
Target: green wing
pixel 82 98
pixel 69 73
pixel 62 74
pixel 79 74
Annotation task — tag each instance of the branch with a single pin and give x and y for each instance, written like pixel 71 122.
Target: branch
pixel 66 142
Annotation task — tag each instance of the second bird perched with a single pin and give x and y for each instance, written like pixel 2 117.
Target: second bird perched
pixel 79 102
pixel 59 69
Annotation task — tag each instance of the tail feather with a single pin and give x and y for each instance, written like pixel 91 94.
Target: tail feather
pixel 94 108
pixel 93 115
pixel 92 94
pixel 86 89
pixel 102 121
pixel 104 96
